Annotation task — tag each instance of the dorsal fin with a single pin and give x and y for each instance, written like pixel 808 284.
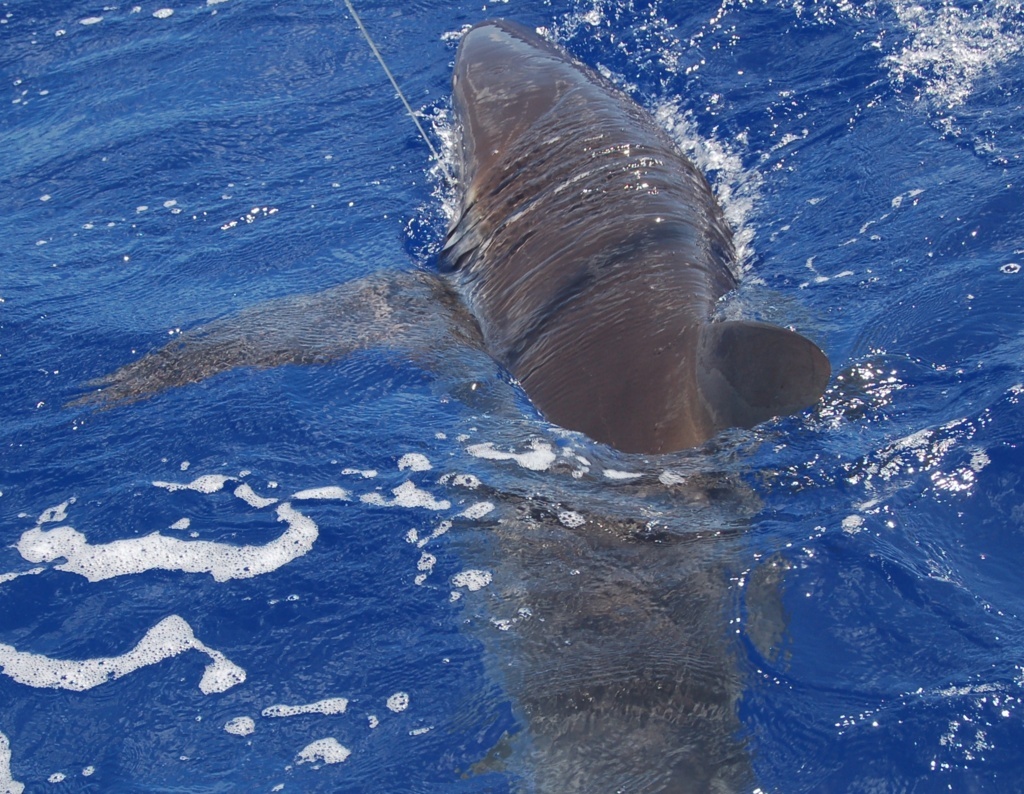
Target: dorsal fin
pixel 749 372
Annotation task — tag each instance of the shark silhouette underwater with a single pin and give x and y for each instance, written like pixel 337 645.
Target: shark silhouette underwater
pixel 586 257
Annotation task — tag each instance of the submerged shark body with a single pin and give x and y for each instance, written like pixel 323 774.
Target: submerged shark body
pixel 612 643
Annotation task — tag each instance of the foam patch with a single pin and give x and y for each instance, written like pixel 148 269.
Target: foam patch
pixel 412 536
pixel 477 510
pixel 472 579
pixel 240 726
pixel 223 561
pixel 8 785
pixel 64 548
pixel 398 702
pixel 207 483
pixel 7 577
pixel 170 637
pixel 571 519
pixel 251 498
pixel 366 474
pixel 327 750
pixel 326 492
pixel 58 513
pixel 615 474
pixel 328 706
pixel 414 461
pixel 539 457
pixel 407 495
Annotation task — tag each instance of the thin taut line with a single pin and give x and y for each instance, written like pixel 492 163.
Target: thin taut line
pixel 391 77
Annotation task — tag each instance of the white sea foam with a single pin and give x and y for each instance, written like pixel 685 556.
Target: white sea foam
pixel 671 478
pixel 571 519
pixel 425 565
pixel 8 785
pixel 477 510
pixel 615 474
pixel 58 513
pixel 327 706
pixel 366 474
pixel 170 637
pixel 407 495
pixel 7 577
pixel 223 561
pixel 251 498
pixel 324 493
pixel 327 750
pixel 208 483
pixel 414 461
pixel 398 702
pixel 539 457
pixel 472 579
pixel 412 536
pixel 240 726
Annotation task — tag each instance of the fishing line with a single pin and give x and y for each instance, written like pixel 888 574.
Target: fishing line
pixel 391 77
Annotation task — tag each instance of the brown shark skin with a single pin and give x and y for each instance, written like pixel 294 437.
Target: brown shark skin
pixel 592 254
pixel 586 258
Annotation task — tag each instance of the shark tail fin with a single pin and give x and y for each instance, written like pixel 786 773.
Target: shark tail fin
pixel 749 372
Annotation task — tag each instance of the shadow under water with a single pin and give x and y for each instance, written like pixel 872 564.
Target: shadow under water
pixel 611 635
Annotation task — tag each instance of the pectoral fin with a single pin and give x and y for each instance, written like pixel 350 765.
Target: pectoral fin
pixel 749 372
pixel 408 310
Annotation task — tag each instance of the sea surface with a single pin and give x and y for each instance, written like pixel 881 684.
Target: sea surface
pixel 286 579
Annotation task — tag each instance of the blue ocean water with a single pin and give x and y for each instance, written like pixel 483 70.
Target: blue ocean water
pixel 172 163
